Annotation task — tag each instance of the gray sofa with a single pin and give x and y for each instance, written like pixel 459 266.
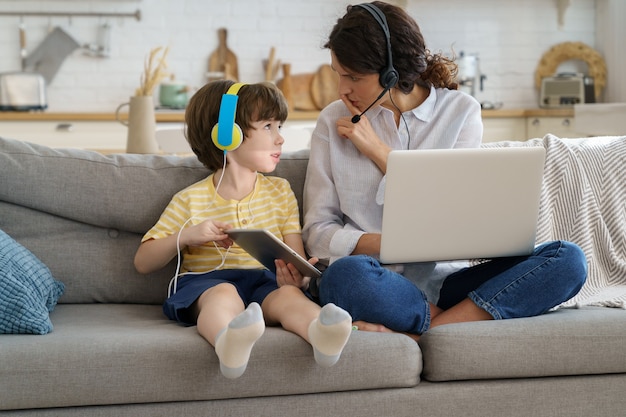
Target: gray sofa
pixel 113 353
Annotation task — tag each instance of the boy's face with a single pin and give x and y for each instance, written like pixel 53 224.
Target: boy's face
pixel 261 149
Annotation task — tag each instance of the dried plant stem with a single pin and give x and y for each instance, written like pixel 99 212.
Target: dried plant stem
pixel 154 71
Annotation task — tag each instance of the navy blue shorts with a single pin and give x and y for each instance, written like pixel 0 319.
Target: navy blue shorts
pixel 253 285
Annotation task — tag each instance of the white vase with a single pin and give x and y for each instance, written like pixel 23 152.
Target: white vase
pixel 141 125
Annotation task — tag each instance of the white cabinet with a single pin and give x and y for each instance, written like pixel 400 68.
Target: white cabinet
pixel 600 119
pixel 496 129
pixel 538 127
pixel 297 134
pixel 110 136
pixel 528 126
pixel 104 136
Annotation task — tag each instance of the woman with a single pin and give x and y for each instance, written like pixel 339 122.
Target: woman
pixel 395 94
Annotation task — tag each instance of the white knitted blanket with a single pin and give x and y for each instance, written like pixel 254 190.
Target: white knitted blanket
pixel 584 201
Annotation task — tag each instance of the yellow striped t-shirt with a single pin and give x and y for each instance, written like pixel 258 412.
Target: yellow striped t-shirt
pixel 272 205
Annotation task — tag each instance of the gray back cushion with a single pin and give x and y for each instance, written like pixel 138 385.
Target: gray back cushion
pixel 83 213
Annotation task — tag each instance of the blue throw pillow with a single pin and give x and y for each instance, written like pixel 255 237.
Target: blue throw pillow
pixel 28 291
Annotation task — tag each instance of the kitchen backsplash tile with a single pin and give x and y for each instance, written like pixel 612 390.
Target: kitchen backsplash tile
pixel 508 36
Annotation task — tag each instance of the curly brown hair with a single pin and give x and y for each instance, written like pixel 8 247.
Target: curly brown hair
pixel 359 44
pixel 260 101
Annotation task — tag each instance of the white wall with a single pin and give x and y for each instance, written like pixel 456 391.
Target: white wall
pixel 508 36
pixel 610 35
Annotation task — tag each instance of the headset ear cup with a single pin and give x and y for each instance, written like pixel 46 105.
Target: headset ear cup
pixel 237 138
pixel 224 136
pixel 215 138
pixel 389 78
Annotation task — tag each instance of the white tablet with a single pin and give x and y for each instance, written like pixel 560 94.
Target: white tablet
pixel 266 247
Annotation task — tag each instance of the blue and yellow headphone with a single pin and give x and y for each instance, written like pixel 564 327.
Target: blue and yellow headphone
pixel 226 134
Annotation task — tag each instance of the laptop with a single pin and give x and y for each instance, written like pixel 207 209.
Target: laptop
pixel 458 204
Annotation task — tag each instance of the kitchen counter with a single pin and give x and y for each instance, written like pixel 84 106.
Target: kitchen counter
pixel 163 116
pixel 535 112
pixel 101 131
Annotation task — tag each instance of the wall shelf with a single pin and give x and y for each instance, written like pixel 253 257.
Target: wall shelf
pixel 136 15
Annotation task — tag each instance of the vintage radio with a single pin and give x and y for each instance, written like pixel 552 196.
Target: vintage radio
pixel 565 90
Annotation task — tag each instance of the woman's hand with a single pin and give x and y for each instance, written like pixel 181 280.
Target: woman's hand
pixel 287 274
pixel 368 244
pixel 207 231
pixel 362 135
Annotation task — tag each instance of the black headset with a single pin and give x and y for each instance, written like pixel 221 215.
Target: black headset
pixel 388 76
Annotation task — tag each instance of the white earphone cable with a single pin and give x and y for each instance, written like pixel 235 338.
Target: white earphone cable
pixel 172 287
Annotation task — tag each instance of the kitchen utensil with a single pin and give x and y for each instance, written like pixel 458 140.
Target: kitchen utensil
pixel 102 47
pixel 469 74
pixel 269 66
pixel 300 91
pixel 324 86
pixel 47 58
pixel 223 59
pixel 22 91
pixel 173 94
pixel 23 51
pixel 287 85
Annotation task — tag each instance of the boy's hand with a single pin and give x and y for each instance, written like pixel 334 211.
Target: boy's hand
pixel 287 274
pixel 207 231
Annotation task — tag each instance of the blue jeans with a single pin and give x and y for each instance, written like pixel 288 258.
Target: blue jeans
pixel 506 288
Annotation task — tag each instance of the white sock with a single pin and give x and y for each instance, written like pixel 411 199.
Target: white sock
pixel 234 344
pixel 329 334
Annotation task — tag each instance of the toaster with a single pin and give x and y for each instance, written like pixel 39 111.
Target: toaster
pixel 22 91
pixel 565 90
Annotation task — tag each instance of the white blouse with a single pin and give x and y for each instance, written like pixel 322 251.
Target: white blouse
pixel 343 188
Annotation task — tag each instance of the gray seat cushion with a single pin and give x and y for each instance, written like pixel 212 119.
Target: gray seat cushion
pixel 123 354
pixel 589 340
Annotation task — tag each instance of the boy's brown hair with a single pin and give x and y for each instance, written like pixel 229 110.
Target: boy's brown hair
pixel 260 101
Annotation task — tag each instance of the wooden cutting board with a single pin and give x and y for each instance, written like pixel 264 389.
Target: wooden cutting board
pixel 300 90
pixel 223 59
pixel 324 86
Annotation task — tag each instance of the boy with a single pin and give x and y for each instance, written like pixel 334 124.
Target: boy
pixel 222 289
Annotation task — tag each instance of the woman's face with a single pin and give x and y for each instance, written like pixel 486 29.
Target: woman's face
pixel 360 89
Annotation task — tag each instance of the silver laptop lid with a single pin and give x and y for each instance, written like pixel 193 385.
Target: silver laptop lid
pixel 452 204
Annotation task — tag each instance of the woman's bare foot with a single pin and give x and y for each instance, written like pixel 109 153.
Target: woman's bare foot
pixel 373 327
pixel 379 328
